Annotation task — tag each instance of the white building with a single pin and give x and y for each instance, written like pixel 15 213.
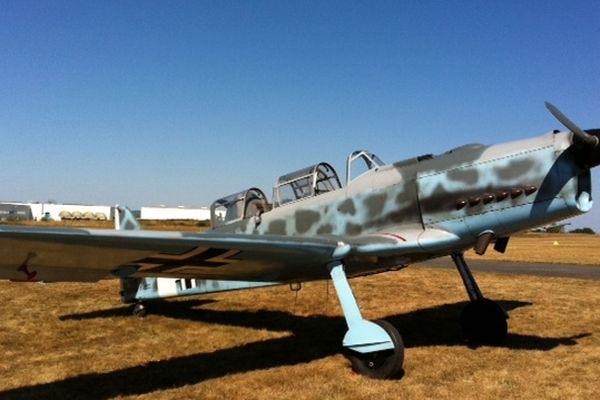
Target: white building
pixel 176 213
pixel 59 212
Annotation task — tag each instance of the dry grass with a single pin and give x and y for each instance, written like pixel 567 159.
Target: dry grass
pixel 565 248
pixel 77 341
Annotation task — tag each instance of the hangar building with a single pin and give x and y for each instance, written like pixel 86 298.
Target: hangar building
pixel 15 212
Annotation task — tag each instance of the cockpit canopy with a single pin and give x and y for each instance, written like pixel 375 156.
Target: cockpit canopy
pixel 302 184
pixel 371 162
pixel 306 182
pixel 241 205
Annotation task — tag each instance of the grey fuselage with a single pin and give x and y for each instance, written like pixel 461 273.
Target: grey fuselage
pixel 504 188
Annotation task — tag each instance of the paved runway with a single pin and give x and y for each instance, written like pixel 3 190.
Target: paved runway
pixel 540 269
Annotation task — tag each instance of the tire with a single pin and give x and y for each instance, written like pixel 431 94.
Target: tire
pixel 139 310
pixel 484 322
pixel 386 364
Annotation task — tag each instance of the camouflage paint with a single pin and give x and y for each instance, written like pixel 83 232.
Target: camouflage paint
pixel 466 191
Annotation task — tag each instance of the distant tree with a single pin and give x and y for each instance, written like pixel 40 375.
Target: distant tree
pixel 558 228
pixel 589 231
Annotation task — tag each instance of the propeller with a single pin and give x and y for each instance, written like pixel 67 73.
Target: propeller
pixel 577 131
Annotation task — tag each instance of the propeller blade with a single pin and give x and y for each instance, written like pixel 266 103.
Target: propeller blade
pixel 580 133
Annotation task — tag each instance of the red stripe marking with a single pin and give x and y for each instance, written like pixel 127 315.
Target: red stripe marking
pixel 395 236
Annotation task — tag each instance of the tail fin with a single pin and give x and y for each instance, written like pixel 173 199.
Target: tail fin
pixel 131 288
pixel 125 221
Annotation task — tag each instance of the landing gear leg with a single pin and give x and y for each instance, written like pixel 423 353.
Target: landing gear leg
pixel 375 349
pixel 139 309
pixel 483 321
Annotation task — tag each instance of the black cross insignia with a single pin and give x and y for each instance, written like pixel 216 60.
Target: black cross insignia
pixel 198 257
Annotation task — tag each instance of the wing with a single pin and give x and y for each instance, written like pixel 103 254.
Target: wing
pixel 28 254
pixel 34 254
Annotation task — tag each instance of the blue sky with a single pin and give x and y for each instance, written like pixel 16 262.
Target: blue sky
pixel 141 102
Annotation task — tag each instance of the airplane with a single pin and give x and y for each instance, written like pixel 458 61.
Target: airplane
pixel 315 228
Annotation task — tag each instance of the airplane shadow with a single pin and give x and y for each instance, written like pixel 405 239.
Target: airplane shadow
pixel 158 308
pixel 313 337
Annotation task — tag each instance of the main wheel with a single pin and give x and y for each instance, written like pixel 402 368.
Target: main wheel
pixel 384 364
pixel 484 322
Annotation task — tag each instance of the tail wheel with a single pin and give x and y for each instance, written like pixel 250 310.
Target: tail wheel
pixel 384 364
pixel 139 310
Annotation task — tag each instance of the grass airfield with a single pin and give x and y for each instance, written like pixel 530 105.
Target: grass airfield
pixel 78 341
